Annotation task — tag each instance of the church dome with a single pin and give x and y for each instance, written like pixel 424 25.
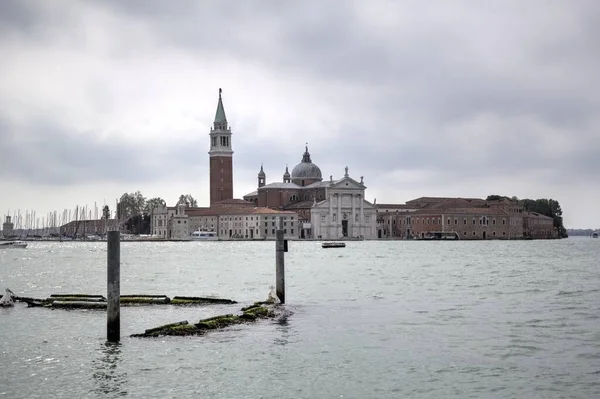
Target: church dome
pixel 306 170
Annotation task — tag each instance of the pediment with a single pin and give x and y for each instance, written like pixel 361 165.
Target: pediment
pixel 348 183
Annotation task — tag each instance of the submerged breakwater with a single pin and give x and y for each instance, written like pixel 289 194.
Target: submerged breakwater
pixel 372 320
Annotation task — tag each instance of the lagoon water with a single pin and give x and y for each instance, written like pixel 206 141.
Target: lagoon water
pixel 518 319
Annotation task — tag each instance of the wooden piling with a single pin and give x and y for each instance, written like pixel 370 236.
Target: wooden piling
pixel 113 322
pixel 279 262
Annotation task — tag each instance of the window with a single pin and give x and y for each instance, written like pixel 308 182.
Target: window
pixel 284 231
pixel 473 233
pixel 292 231
pixel 464 233
pixel 473 221
pixel 503 221
pixel 427 220
pixel 455 221
pixel 465 221
pixel 273 231
pixel 448 221
pixel 266 231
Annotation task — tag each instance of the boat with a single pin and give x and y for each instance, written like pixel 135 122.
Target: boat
pixel 13 244
pixel 333 245
pixel 7 299
pixel 441 235
pixel 595 234
pixel 204 236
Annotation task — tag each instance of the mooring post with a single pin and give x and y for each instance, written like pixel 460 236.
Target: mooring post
pixel 279 262
pixel 113 321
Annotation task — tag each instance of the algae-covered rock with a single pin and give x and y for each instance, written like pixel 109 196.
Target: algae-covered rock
pixel 218 322
pixel 79 304
pixel 249 314
pixel 154 300
pixel 198 300
pixel 77 296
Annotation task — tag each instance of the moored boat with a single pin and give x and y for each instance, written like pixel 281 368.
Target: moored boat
pixel 204 236
pixel 333 245
pixel 13 244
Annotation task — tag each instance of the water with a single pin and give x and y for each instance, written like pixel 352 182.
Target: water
pixel 373 320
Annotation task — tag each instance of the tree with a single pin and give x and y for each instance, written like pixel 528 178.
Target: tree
pixel 130 205
pixel 547 207
pixel 189 201
pixel 154 203
pixel 495 197
pixel 105 212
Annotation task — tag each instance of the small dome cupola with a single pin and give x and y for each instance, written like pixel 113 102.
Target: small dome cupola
pixel 306 172
pixel 286 175
pixel 262 177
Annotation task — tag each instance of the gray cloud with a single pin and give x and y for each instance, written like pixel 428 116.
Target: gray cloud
pixel 467 91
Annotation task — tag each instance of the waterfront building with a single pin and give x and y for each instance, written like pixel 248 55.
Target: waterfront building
pixel 332 209
pixel 538 226
pixel 465 218
pixel 8 228
pixel 247 222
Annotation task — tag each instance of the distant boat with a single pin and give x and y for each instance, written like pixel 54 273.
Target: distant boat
pixel 595 234
pixel 13 244
pixel 333 245
pixel 204 236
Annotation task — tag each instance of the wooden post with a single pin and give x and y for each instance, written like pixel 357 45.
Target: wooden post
pixel 113 322
pixel 279 262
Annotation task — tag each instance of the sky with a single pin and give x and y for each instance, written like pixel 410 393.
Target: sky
pixel 436 98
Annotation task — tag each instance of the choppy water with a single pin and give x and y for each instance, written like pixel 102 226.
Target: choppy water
pixel 373 320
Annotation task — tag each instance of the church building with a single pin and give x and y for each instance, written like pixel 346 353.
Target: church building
pixel 332 209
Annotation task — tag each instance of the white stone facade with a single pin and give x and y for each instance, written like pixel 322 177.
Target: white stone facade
pixel 344 213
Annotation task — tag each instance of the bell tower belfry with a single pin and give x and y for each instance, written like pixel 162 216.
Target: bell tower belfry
pixel 221 157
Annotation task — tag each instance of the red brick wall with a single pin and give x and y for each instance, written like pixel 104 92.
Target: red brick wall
pixel 221 178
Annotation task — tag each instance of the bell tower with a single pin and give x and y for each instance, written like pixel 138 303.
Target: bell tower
pixel 221 157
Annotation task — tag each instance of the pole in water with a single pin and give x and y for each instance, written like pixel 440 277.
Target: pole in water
pixel 279 262
pixel 113 321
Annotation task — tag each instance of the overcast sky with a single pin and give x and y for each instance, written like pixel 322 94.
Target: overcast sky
pixel 435 98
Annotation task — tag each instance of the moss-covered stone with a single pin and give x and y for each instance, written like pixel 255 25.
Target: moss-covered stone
pixel 77 296
pixel 250 313
pixel 256 312
pixel 144 300
pixel 218 322
pixel 197 300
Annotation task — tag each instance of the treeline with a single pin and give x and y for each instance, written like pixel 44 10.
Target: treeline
pixel 133 204
pixel 543 206
pixel 136 210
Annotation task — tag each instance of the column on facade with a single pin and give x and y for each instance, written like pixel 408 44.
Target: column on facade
pixel 339 215
pixel 330 224
pixel 361 216
pixel 353 217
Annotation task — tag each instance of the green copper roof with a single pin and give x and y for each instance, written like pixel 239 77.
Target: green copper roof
pixel 220 115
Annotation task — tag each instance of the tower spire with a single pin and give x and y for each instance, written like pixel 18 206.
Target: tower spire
pixel 220 117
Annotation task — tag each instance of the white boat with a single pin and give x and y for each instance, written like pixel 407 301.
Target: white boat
pixel 204 236
pixel 13 244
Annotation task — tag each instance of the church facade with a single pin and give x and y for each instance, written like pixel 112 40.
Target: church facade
pixel 329 210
